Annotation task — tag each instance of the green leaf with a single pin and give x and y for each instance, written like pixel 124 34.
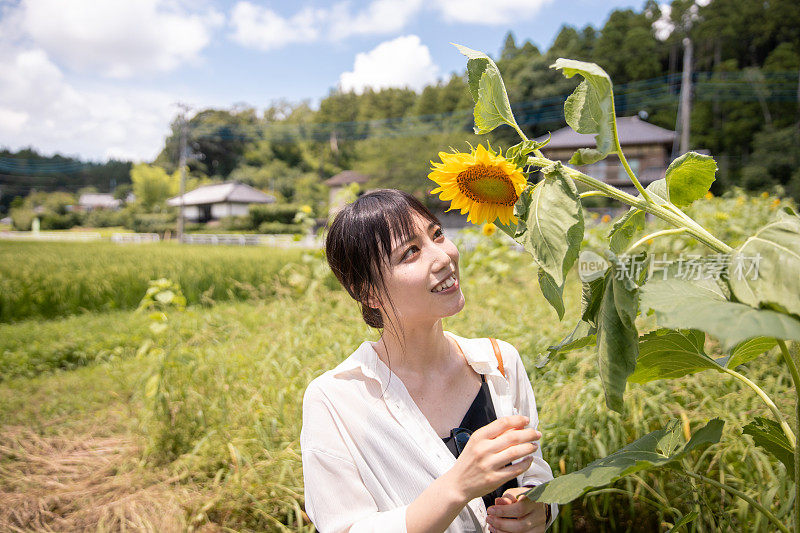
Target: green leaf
pixel 685 519
pixel 583 335
pixel 476 65
pixel 492 107
pixel 748 350
pixel 591 296
pixel 669 354
pixel 625 228
pixel 521 211
pixel 617 338
pixel 586 156
pixel 518 154
pixel 689 177
pixel 642 454
pixel 768 434
pixel 553 293
pixel 689 304
pixel 777 274
pixel 590 108
pixel 554 222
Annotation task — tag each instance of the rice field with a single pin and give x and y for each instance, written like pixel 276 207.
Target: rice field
pixel 52 279
pixel 108 424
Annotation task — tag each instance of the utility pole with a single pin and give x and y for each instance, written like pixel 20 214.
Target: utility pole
pixel 182 165
pixel 686 94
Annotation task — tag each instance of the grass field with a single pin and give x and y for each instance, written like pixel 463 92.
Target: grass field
pixel 107 425
pixel 52 279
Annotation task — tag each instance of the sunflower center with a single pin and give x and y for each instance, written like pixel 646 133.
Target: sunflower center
pixel 487 185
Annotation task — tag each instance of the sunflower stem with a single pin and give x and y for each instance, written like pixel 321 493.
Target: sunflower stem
pixel 593 193
pixel 694 229
pixel 671 231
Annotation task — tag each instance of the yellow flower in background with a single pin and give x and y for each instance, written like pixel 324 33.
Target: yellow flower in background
pixel 765 194
pixel 489 229
pixel 482 183
pixel 605 219
pixel 775 203
pixel 709 195
pixel 739 200
pixel 306 209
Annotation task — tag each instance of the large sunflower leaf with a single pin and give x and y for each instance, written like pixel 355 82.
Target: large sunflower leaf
pixel 492 107
pixel 617 338
pixel 552 292
pixel 645 453
pixel 769 435
pixel 554 222
pixel 701 304
pixel 670 354
pixel 590 108
pixel 765 270
pixel 689 177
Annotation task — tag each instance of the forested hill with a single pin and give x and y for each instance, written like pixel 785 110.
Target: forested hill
pixel 24 171
pixel 745 105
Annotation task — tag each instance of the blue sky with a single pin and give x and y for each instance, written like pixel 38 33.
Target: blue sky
pixel 99 78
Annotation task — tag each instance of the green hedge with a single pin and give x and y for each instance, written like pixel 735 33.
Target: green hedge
pixel 283 213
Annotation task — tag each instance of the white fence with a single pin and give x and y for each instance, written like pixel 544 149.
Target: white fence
pixel 135 237
pixel 82 236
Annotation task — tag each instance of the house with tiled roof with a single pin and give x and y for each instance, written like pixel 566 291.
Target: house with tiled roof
pixel 213 202
pixel 337 183
pixel 646 146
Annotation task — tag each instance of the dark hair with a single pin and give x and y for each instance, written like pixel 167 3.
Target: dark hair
pixel 359 243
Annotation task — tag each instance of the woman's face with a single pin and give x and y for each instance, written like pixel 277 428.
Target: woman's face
pixel 415 269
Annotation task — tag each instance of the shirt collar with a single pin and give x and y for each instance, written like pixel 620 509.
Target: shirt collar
pixel 479 356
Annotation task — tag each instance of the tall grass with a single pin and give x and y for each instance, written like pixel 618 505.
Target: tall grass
pixel 49 280
pixel 217 398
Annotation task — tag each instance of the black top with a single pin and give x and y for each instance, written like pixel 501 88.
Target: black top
pixel 480 413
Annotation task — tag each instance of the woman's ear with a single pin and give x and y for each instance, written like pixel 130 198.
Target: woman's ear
pixel 372 301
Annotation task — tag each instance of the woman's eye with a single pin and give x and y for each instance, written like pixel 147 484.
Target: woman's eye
pixel 438 233
pixel 408 252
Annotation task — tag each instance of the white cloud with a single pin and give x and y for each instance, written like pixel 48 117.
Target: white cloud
pixel 380 17
pixel 117 38
pixel 496 12
pixel 41 109
pixel 401 62
pixel 264 29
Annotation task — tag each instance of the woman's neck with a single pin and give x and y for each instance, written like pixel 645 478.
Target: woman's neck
pixel 421 351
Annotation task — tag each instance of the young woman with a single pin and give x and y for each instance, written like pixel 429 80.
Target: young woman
pixel 423 430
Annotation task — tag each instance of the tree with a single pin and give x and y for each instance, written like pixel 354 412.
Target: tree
pixel 152 185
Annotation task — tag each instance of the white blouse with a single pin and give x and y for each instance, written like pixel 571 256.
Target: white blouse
pixel 368 451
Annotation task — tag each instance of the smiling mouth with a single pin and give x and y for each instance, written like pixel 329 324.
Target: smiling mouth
pixel 446 284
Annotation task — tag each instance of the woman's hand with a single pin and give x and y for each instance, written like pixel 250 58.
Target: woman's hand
pixel 512 514
pixel 483 465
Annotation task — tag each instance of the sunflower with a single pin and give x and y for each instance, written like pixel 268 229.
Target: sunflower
pixel 482 183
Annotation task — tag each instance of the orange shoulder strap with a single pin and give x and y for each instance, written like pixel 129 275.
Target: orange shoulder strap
pixel 498 355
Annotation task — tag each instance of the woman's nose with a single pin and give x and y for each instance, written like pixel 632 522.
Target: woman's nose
pixel 442 259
